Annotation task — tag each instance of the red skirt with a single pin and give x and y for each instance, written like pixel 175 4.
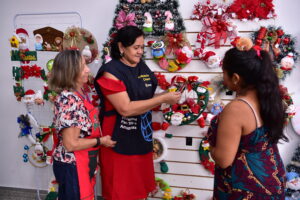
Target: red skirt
pixel 126 177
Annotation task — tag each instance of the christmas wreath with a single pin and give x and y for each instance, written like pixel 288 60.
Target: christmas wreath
pixel 205 158
pixel 281 47
pixel 193 101
pixel 174 44
pixel 25 72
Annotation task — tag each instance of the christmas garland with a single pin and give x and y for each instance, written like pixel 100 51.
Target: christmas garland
pixel 281 47
pixel 193 100
pixel 175 45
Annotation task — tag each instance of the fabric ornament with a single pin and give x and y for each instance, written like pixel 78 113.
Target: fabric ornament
pixel 287 101
pixel 252 10
pixel 208 9
pixel 185 195
pixel 169 24
pixel 205 157
pixel 193 101
pixel 160 150
pixel 48 39
pixel 124 19
pixel 24 39
pixel 83 40
pixel 177 46
pixel 280 46
pixel 148 25
pixel 218 31
pixel 164 187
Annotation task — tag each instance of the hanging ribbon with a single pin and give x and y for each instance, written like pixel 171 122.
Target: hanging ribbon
pixel 218 30
pixel 73 34
pixel 125 20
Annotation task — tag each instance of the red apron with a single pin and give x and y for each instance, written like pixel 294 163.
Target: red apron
pixel 86 160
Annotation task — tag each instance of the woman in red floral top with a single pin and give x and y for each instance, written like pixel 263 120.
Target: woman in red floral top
pixel 78 128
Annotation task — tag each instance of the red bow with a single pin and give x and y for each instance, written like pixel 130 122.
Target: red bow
pixel 173 42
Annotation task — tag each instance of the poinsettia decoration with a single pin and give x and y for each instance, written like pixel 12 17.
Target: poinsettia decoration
pixel 252 9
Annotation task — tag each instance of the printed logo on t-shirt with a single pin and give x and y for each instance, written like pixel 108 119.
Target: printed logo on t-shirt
pixel 145 78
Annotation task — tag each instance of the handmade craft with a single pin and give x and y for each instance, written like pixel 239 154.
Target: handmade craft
pixel 281 47
pixel 205 158
pixel 82 40
pixel 175 45
pixel 252 10
pixel 193 101
pixel 287 100
pixel 48 39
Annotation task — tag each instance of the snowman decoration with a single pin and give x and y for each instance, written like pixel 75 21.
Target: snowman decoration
pixel 287 63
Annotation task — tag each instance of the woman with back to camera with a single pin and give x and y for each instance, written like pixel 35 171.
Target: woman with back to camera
pixel 77 125
pixel 244 136
pixel 126 87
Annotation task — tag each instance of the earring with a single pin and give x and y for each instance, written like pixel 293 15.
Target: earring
pixel 121 54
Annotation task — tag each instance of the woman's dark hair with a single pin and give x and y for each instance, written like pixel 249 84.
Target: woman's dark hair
pixel 256 71
pixel 127 36
pixel 65 71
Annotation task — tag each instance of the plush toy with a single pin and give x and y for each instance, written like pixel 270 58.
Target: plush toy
pixel 38 42
pixel 147 26
pixel 293 181
pixel 158 49
pixel 28 98
pixel 24 38
pixel 38 98
pixel 211 59
pixel 87 54
pixel 169 25
pixel 287 62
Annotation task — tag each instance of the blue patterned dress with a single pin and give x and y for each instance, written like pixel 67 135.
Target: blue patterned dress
pixel 257 171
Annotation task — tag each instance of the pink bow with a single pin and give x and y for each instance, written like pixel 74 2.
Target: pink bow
pixel 125 20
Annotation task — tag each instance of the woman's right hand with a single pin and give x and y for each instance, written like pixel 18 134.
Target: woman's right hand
pixel 107 142
pixel 171 97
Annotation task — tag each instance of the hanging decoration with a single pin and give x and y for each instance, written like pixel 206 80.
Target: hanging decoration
pixel 160 150
pixel 155 18
pixel 205 158
pixel 252 10
pixel 287 100
pixel 175 45
pixel 208 9
pixel 185 195
pixel 82 40
pixel 281 47
pixel 193 101
pixel 164 187
pixel 48 39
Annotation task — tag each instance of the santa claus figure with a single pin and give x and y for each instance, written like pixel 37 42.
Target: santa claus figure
pixel 211 59
pixel 29 97
pixel 287 62
pixel 24 39
pixel 87 54
pixel 38 98
pixel 177 118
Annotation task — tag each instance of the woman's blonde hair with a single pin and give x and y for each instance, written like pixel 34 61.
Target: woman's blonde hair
pixel 65 71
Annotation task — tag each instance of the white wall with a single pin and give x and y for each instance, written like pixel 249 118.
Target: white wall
pixel 97 17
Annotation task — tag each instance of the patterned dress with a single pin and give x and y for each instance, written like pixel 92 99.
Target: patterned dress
pixel 257 171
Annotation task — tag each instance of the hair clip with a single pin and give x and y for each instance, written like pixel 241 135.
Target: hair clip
pixel 258 49
pixel 243 43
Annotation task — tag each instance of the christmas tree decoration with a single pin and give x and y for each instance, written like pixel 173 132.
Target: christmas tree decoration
pixel 48 39
pixel 281 47
pixel 252 9
pixel 155 18
pixel 293 171
pixel 82 40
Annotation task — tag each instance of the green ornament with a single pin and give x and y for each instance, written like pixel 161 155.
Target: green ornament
pixel 164 167
pixel 50 65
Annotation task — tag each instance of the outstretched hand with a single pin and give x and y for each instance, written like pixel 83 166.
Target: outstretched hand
pixel 172 97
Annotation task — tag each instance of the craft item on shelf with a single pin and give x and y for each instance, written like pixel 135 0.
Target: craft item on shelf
pixel 124 19
pixel 164 187
pixel 160 152
pixel 23 55
pixel 205 157
pixel 169 24
pixel 252 10
pixel 24 39
pixel 24 72
pixel 296 121
pixel 82 40
pixel 48 39
pixel 175 46
pixel 185 195
pixel 281 47
pixel 160 126
pixel 193 101
pixel 289 106
pixel 14 42
pixel 209 9
pixel 148 25
pixel 210 58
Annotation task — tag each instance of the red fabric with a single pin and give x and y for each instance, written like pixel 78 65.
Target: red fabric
pixel 124 177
